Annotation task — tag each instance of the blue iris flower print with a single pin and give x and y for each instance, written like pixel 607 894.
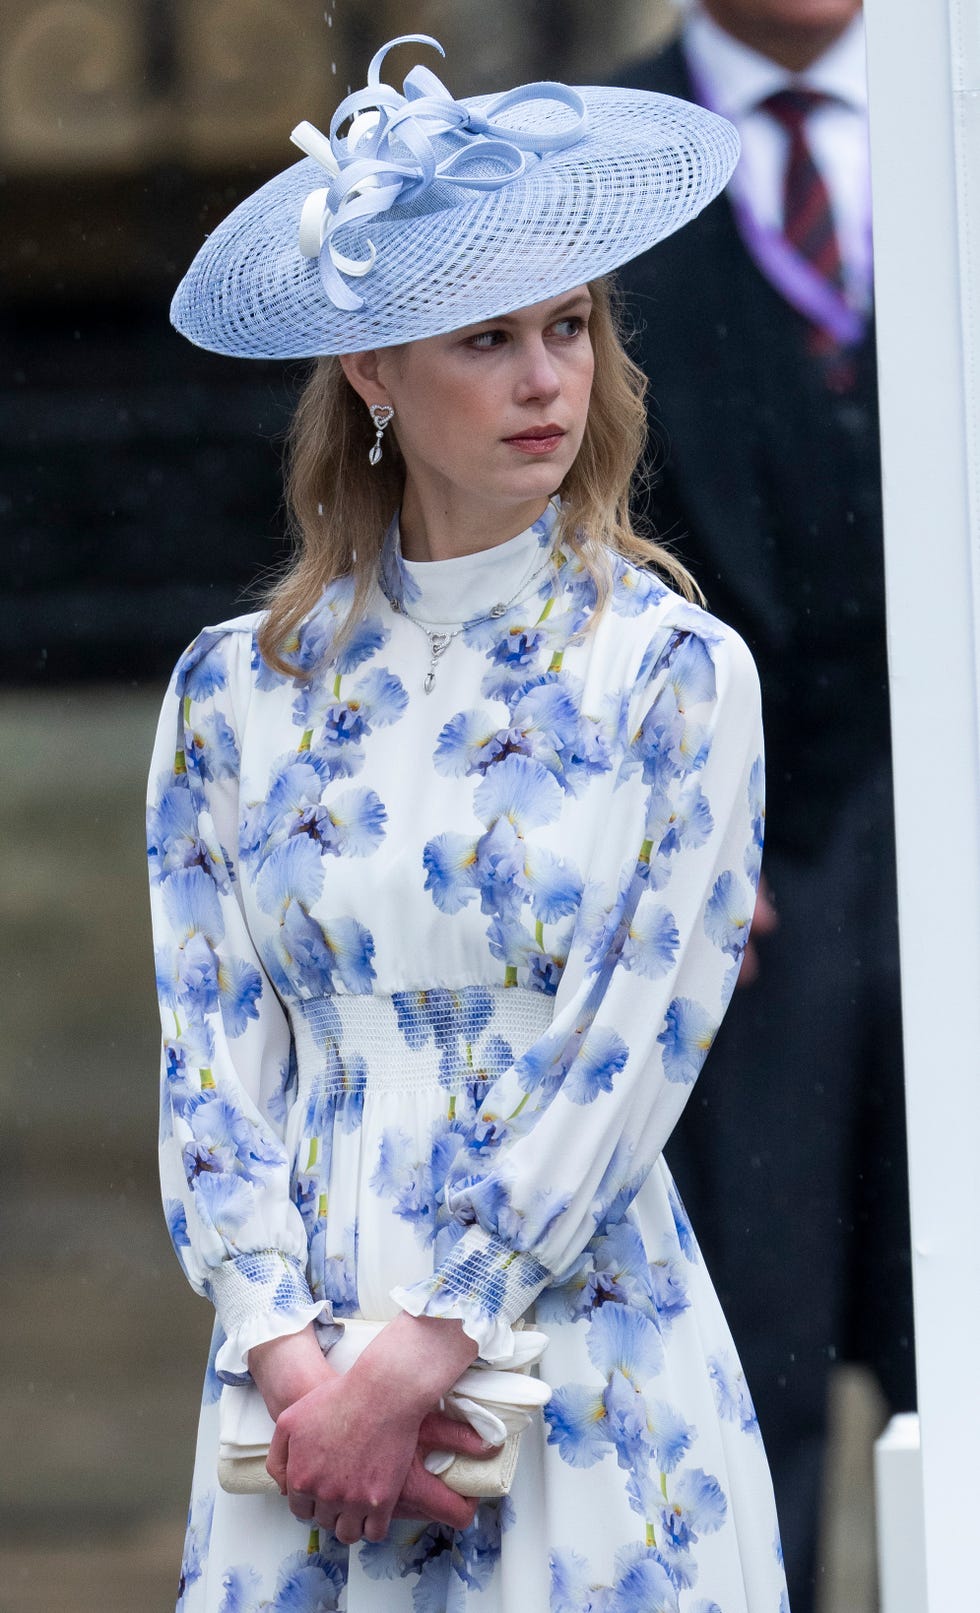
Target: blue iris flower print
pixel 343 713
pixel 669 1290
pixel 669 1434
pixel 669 742
pixel 682 1226
pixel 192 906
pixel 365 639
pixel 349 825
pixel 223 1203
pixel 601 1055
pixel 551 883
pixel 652 941
pixel 571 1590
pixel 204 669
pixel 338 1282
pixel 618 1186
pixel 688 1033
pixel 695 1505
pixel 633 590
pixel 479 1545
pixel 239 990
pixel 613 1267
pixel 173 838
pixel 222 1138
pixel 192 978
pixel 277 1101
pixel 732 1395
pixel 576 1420
pixel 520 1227
pixel 309 1582
pixel 375 700
pixel 313 641
pixel 546 718
pixel 519 790
pixel 680 819
pixel 620 1340
pixel 307 954
pixel 440 1562
pixel 463 744
pixel 406 1550
pixel 177 1223
pixel 450 862
pixel 412 1173
pixel 210 747
pixel 196 1542
pixel 644 1586
pixel 184 1056
pixel 728 914
pixel 454 1021
pixel 692 671
pixel 241 1587
pixel 587 1063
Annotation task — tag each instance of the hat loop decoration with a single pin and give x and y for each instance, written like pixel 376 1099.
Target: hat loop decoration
pixel 388 156
pixel 415 214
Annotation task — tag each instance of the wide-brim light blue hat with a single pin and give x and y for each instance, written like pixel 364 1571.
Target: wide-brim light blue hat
pixel 429 214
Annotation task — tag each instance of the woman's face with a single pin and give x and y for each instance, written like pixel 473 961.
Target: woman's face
pixel 493 414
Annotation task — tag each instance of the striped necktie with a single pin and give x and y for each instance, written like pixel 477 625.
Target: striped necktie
pixel 808 219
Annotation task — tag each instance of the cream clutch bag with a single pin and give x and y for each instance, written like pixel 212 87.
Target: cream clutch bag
pixel 498 1404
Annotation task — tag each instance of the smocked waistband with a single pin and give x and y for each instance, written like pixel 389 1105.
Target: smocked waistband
pixel 416 1039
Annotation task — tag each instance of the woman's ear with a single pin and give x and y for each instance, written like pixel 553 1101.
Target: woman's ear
pixel 361 370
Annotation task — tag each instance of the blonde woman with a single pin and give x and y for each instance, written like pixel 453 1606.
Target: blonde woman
pixel 453 854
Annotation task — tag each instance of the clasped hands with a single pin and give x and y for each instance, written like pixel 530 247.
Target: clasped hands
pixel 348 1449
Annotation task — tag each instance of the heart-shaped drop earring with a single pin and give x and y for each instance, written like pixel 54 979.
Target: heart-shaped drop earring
pixel 382 414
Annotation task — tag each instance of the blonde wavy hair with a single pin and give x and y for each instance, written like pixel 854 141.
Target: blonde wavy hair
pixel 340 506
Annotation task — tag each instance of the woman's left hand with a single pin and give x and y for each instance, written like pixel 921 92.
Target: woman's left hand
pixel 343 1451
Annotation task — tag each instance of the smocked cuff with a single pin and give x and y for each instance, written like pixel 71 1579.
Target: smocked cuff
pixel 259 1296
pixel 483 1283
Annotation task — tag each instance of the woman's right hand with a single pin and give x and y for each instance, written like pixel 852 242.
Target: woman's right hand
pixel 350 1467
pixel 348 1451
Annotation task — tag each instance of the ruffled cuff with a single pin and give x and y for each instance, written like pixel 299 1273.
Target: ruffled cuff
pixel 483 1283
pixel 259 1296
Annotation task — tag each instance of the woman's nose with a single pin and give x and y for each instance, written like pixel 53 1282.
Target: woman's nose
pixel 538 377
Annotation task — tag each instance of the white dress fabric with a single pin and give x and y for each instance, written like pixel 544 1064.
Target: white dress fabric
pixel 437 972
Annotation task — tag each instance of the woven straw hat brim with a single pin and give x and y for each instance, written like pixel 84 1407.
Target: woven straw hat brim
pixel 648 165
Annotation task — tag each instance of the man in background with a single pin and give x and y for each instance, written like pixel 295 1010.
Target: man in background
pixel 756 333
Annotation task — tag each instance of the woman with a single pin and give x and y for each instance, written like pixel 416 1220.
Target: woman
pixel 453 858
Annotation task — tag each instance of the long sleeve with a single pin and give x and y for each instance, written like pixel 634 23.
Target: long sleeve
pixel 567 1134
pixel 225 1080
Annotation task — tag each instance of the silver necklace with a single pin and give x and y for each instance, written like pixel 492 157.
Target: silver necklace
pixel 439 639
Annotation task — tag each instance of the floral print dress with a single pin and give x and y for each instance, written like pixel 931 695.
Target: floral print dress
pixel 437 971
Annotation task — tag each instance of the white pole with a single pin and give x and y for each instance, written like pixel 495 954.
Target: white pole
pixel 924 67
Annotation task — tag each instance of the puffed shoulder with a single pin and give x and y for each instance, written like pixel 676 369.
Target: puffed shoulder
pixel 659 636
pixel 214 657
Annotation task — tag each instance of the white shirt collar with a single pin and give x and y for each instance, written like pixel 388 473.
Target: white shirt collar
pixel 736 78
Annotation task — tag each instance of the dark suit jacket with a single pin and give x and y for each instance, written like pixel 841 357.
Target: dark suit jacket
pixel 769 489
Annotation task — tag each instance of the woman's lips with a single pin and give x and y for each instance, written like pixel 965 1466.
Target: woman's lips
pixel 537 440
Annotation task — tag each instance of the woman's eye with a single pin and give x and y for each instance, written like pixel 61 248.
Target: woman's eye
pixel 486 338
pixel 572 326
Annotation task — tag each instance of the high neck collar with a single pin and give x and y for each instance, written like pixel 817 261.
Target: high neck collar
pixel 447 593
